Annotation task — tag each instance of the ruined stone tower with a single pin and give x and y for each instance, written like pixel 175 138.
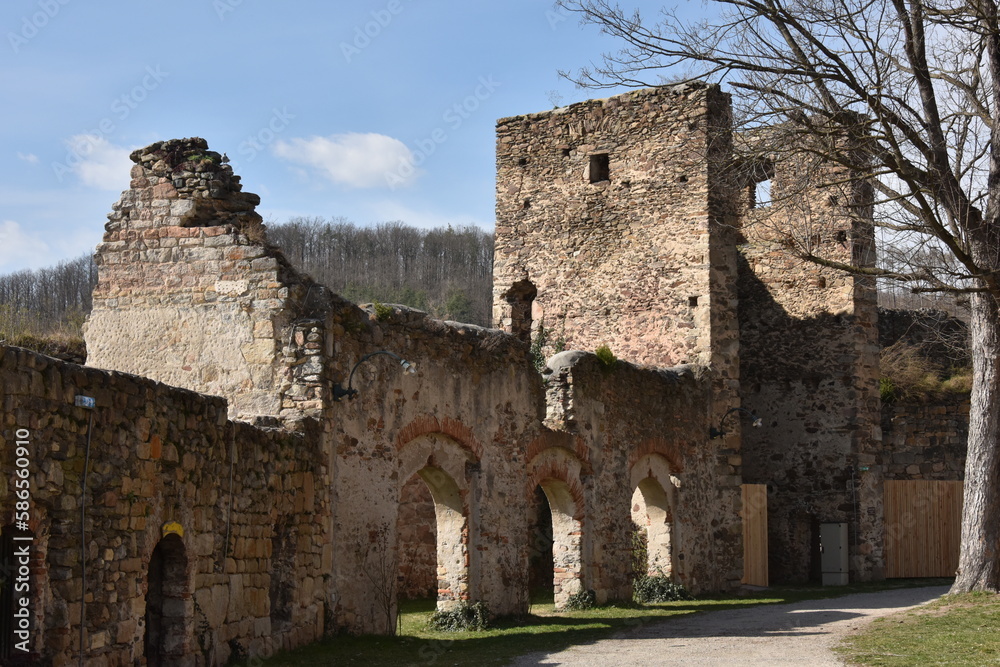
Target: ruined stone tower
pixel 614 226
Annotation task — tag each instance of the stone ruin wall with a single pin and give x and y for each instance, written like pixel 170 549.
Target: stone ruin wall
pixel 189 295
pixel 598 421
pixel 462 423
pixel 926 439
pixel 809 368
pixel 159 455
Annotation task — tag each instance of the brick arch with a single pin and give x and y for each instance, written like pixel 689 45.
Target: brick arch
pixel 439 450
pixel 558 463
pixel 442 462
pixel 429 424
pixel 548 439
pixel 654 499
pixel 675 452
pixel 557 471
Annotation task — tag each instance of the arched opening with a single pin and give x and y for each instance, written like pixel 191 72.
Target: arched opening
pixel 567 541
pixel 451 536
pixel 540 547
pixel 653 517
pixel 521 298
pixel 416 531
pixel 165 639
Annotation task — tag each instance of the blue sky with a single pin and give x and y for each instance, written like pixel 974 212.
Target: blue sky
pixel 323 107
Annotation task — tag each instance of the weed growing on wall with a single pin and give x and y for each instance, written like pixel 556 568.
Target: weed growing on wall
pixel 606 356
pixel 382 311
pixel 541 341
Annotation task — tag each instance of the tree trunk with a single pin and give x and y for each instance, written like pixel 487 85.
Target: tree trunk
pixel 979 563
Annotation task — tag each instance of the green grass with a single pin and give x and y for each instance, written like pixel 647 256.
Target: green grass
pixel 541 630
pixel 955 630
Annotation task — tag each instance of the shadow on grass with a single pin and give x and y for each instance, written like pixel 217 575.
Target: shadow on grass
pixel 546 631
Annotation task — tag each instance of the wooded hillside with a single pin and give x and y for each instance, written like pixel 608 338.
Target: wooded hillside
pixel 447 272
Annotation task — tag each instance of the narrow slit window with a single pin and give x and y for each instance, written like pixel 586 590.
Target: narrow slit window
pixel 600 168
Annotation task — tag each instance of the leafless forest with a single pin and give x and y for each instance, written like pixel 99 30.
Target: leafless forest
pixel 445 271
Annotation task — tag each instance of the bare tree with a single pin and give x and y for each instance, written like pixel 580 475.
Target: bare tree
pixel 916 85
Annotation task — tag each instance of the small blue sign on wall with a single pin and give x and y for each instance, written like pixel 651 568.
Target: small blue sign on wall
pixel 85 402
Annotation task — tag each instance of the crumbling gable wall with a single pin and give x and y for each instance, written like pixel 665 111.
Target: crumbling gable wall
pixel 188 291
pixel 809 362
pixel 243 508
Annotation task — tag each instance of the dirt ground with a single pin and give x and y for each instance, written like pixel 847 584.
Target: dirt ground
pixel 803 633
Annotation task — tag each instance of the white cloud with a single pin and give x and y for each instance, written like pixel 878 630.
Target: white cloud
pixel 30 158
pixel 356 160
pixel 18 249
pixel 97 162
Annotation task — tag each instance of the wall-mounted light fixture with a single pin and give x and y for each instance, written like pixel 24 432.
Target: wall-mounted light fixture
pixel 720 432
pixel 339 392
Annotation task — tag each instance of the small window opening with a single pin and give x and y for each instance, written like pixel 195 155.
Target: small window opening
pixel 760 189
pixel 522 161
pixel 762 194
pixel 600 168
pixel 841 237
pixel 527 203
pixel 565 152
pixel 683 179
pixel 693 301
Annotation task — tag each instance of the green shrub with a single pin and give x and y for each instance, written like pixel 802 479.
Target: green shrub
pixel 606 356
pixel 382 311
pixel 467 616
pixel 658 588
pixel 582 600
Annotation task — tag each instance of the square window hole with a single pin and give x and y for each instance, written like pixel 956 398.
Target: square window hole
pixel 600 168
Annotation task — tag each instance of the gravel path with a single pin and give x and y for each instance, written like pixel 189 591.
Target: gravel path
pixel 789 634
